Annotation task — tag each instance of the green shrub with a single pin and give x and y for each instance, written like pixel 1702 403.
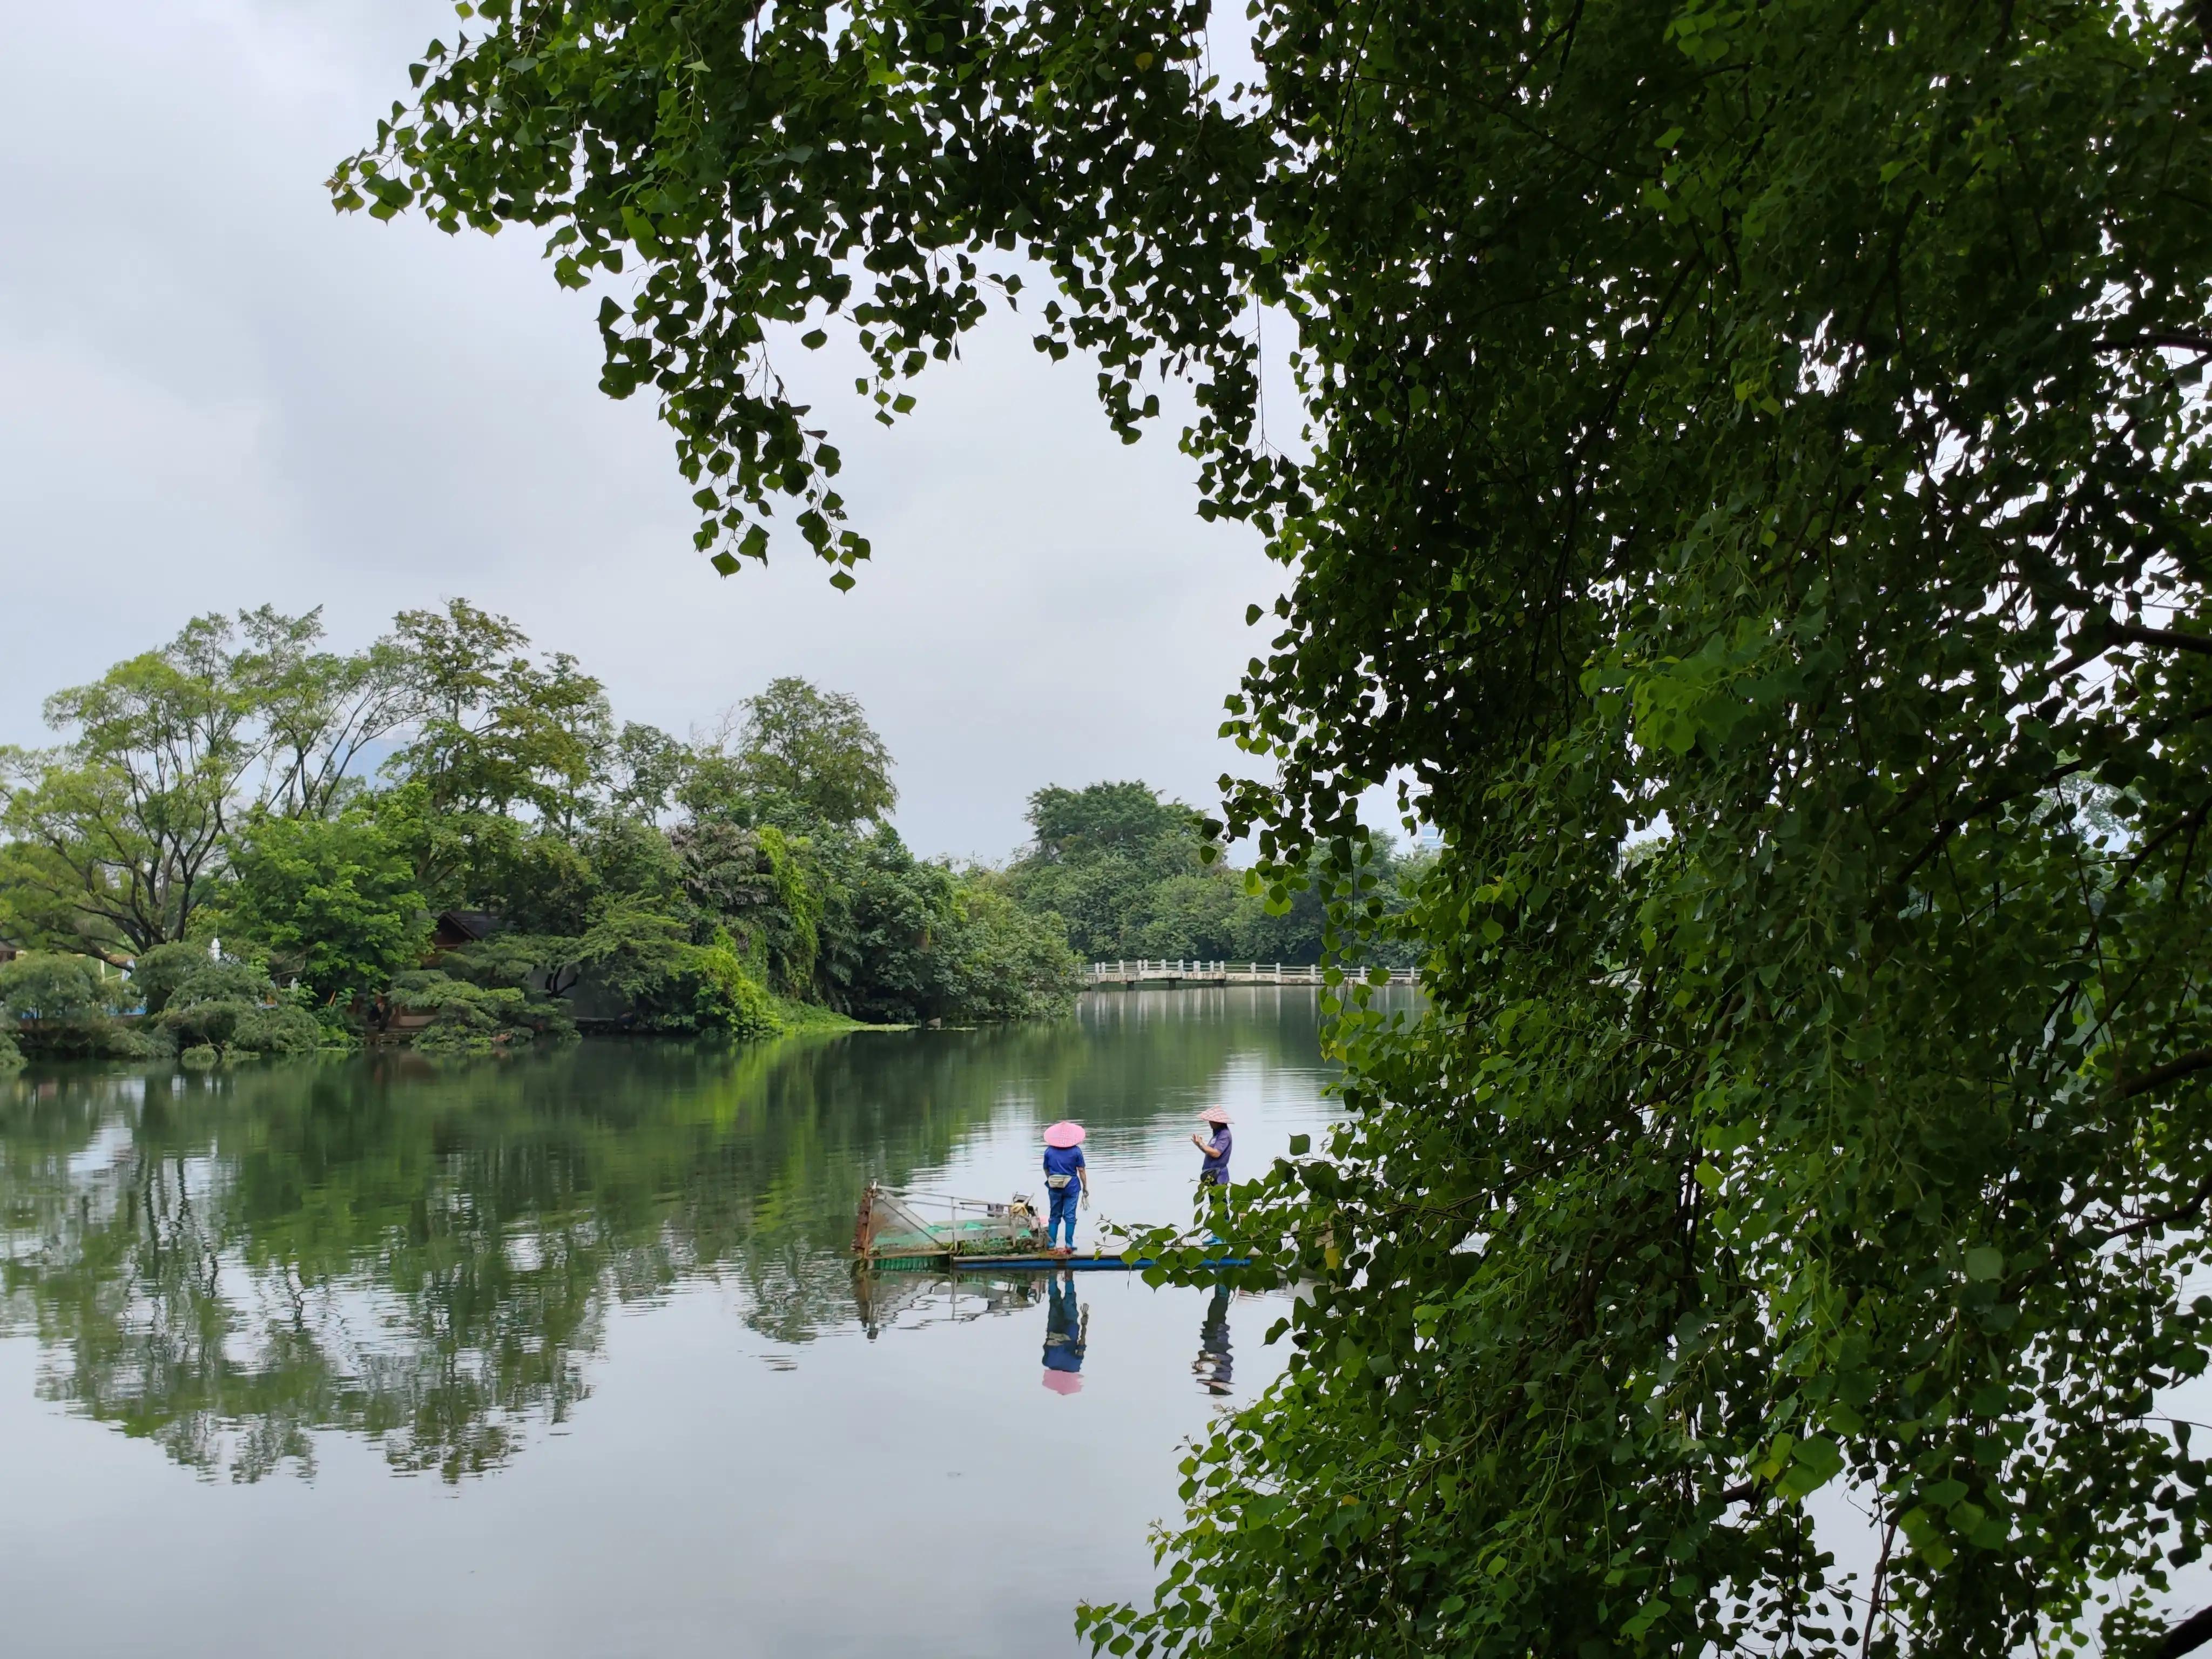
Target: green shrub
pixel 335 1027
pixel 727 1000
pixel 203 1007
pixel 158 972
pixel 333 900
pixel 67 1000
pixel 145 1042
pixel 11 1057
pixel 200 1056
pixel 286 1029
pixel 1004 963
pixel 231 1006
pixel 54 988
pixel 475 1019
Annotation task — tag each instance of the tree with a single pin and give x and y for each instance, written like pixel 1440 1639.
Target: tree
pixel 1770 428
pixel 47 986
pixel 815 748
pixel 118 837
pixel 66 997
pixel 648 766
pixel 494 729
pixel 1127 873
pixel 1129 818
pixel 321 712
pixel 1007 964
pixel 334 902
pixel 123 828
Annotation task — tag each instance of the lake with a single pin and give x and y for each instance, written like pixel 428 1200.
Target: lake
pixel 563 1355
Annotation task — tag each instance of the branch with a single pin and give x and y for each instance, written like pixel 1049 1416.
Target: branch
pixel 2138 635
pixel 2182 1066
pixel 2194 1631
pixel 2165 1218
pixel 1881 1584
pixel 2173 342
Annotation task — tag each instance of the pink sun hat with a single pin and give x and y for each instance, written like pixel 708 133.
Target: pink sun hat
pixel 1063 1382
pixel 1064 1133
pixel 1213 1114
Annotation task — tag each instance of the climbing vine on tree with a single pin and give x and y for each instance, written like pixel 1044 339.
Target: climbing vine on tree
pixel 1757 500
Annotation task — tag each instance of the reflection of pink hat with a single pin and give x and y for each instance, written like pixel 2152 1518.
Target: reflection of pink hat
pixel 1064 1133
pixel 1063 1382
pixel 1213 1114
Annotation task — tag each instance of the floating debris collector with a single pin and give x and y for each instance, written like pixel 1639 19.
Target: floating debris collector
pixel 896 1231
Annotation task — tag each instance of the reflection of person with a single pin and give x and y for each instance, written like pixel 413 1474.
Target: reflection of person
pixel 1066 1178
pixel 1215 1145
pixel 1066 1328
pixel 1214 1364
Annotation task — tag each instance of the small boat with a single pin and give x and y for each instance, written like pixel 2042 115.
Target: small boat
pixel 899 1231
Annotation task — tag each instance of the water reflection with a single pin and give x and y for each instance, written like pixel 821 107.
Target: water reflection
pixel 1067 1332
pixel 1215 1366
pixel 227 1264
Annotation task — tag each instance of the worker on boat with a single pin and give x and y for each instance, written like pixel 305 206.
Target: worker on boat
pixel 1067 1332
pixel 1215 1145
pixel 1066 1178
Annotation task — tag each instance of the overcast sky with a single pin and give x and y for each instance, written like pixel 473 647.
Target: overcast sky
pixel 220 393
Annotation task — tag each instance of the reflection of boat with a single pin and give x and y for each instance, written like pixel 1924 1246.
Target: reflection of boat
pixel 897 1299
pixel 894 1230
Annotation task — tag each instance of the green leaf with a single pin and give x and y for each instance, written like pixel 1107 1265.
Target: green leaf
pixel 1814 1463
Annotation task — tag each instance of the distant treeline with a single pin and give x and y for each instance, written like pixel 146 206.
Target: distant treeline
pixel 1130 875
pixel 245 842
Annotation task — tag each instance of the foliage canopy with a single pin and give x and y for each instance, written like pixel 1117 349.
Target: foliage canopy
pixel 1770 426
pixel 221 784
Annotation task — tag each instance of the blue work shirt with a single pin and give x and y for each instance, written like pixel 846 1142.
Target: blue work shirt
pixel 1217 1158
pixel 1064 1160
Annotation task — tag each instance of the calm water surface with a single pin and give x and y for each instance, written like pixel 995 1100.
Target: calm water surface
pixel 561 1355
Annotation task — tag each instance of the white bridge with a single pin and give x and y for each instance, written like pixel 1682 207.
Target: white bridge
pixel 1176 974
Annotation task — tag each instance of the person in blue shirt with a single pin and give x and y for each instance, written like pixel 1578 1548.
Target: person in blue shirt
pixel 1215 1145
pixel 1066 1178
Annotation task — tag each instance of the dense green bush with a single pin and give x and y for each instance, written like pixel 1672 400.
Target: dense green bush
pixel 62 1005
pixel 475 1019
pixel 55 988
pixel 334 902
pixel 158 972
pixel 725 998
pixel 1007 964
pixel 234 1007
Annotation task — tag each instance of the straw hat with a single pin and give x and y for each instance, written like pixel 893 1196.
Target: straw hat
pixel 1213 1114
pixel 1064 1133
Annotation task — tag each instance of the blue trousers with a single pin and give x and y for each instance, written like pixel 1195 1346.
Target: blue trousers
pixel 1063 1209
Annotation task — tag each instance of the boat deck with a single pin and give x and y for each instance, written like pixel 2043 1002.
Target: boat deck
pixel 1044 1261
pixel 891 1234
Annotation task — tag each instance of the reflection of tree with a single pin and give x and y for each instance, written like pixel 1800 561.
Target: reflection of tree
pixel 226 1265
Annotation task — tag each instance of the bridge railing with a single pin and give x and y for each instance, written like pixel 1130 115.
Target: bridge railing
pixel 1149 970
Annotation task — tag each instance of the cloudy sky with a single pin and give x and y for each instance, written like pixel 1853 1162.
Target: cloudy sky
pixel 219 393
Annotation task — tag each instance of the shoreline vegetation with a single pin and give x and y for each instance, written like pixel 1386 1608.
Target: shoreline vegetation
pixel 247 843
